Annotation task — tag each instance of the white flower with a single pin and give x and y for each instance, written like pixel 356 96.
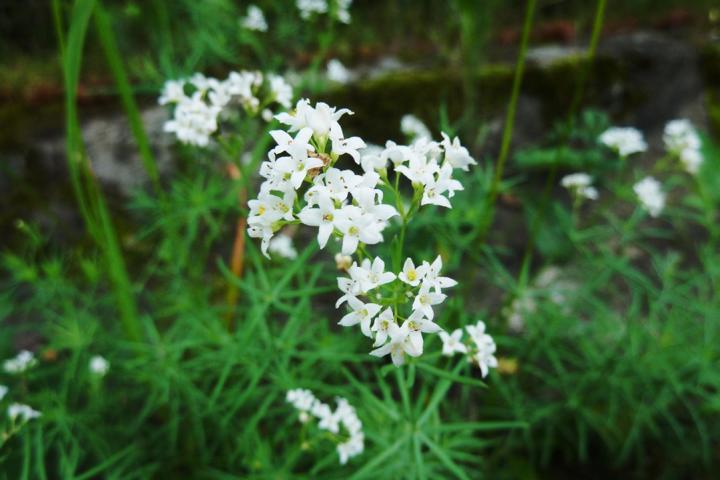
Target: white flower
pixel 343 13
pixel 23 412
pixel 419 169
pixel 651 196
pixel 414 128
pixel 682 140
pixel 99 366
pixel 680 135
pixel 452 343
pixel 362 313
pixel 691 159
pixel 255 19
pixel 425 299
pixel 455 154
pixel 22 362
pixel 356 226
pixel 303 400
pixel 323 217
pixel 371 275
pixel 280 90
pixel 432 276
pixel 476 331
pixel 282 246
pixel 484 347
pixel 336 72
pixel 436 187
pixel 193 121
pixel 309 7
pixel 411 275
pixel 350 146
pixel 624 140
pixel 3 391
pixel 399 345
pixel 382 325
pixel 322 118
pixel 342 262
pixel 580 184
pixel 172 92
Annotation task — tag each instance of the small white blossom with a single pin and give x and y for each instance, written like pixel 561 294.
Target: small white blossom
pixel 282 246
pixel 483 347
pixel 311 7
pixel 23 412
pixel 99 366
pixel 455 154
pixel 624 140
pixel 432 276
pixel 682 140
pixel 172 92
pixel 336 72
pixel 452 343
pixel 580 184
pixel 255 19
pixel 399 345
pixel 411 275
pixel 425 300
pixel 414 128
pixel 22 362
pixel 362 313
pixel 651 196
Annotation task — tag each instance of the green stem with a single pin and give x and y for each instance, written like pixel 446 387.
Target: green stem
pixel 486 222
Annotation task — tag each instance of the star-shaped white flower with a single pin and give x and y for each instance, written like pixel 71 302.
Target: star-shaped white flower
pixel 362 313
pixel 412 275
pixel 425 299
pixel 452 343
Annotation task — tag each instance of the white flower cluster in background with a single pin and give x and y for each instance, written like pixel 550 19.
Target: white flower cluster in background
pixel 254 20
pixel 24 413
pixel 651 196
pixel 339 8
pixel 20 363
pixel 624 140
pixel 337 72
pixel 99 366
pixel 414 128
pixel 282 246
pixel 480 350
pixel 200 101
pixel 395 331
pixel 343 424
pixel 683 141
pixel 581 185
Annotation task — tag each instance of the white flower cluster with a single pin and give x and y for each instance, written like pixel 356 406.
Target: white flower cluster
pixel 282 246
pixel 624 140
pixel 337 72
pixel 393 332
pixel 197 114
pixel 22 412
pixel 350 438
pixel 651 196
pixel 341 10
pixel 254 20
pixel 339 201
pixel 20 363
pixel 414 128
pixel 581 185
pixel 99 366
pixel 480 350
pixel 682 140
